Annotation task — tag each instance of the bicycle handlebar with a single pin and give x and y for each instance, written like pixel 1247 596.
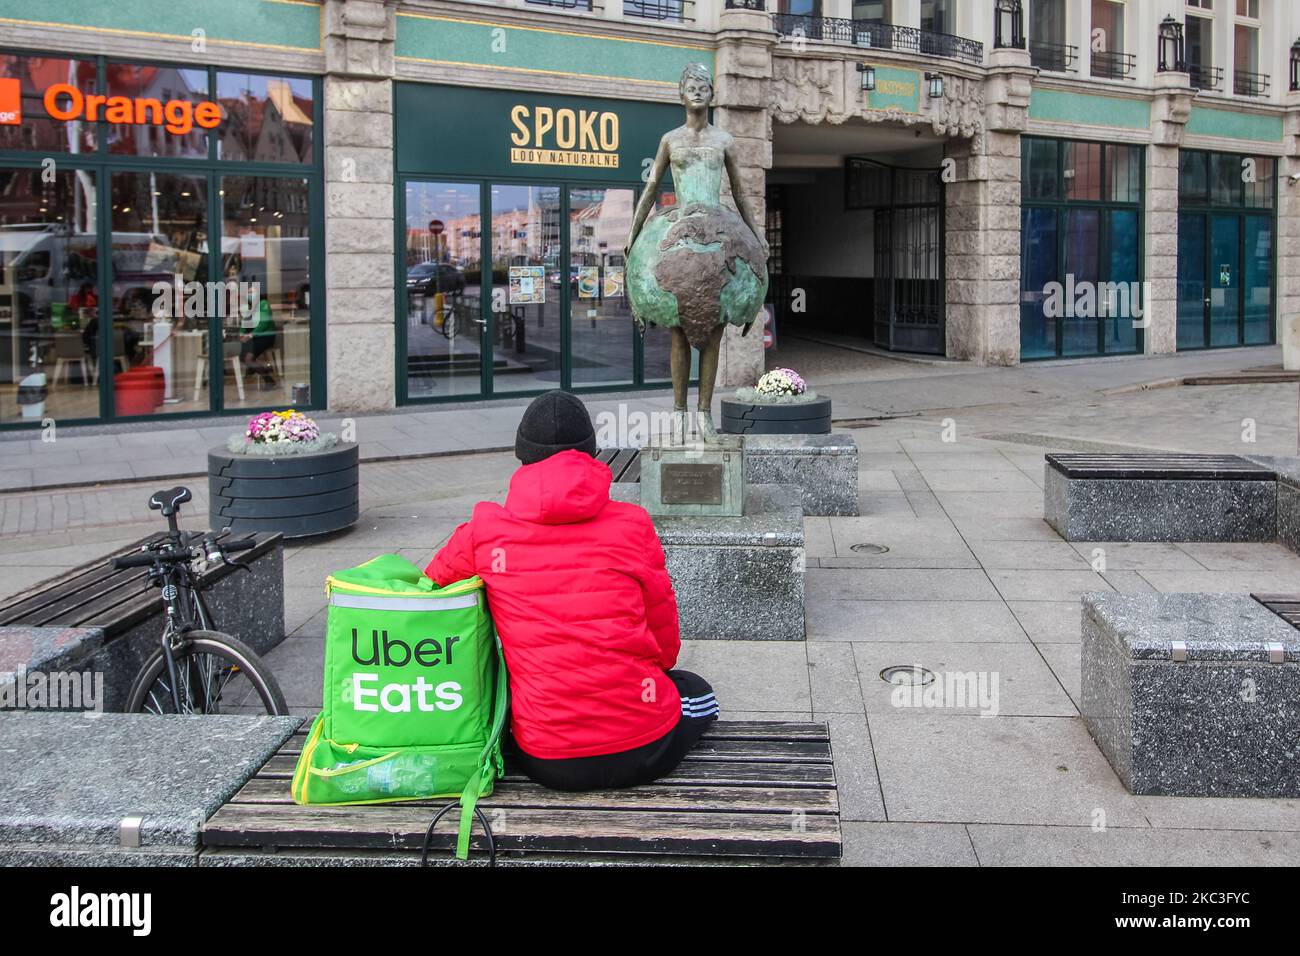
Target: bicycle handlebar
pixel 144 559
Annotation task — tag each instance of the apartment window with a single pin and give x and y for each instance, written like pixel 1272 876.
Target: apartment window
pixel 874 11
pixel 655 9
pixel 1248 8
pixel 1107 26
pixel 801 8
pixel 937 16
pixel 1201 4
pixel 1047 36
pixel 1247 78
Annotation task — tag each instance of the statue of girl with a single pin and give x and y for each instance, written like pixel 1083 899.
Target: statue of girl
pixel 696 266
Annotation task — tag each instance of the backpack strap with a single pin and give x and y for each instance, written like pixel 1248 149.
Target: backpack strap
pixel 488 763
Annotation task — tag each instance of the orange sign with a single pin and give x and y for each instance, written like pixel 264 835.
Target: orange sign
pixel 11 102
pixel 175 116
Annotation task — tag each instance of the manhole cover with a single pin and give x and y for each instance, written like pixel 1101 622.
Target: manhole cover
pixel 868 548
pixel 907 675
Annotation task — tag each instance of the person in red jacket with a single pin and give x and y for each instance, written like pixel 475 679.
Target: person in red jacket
pixel 585 611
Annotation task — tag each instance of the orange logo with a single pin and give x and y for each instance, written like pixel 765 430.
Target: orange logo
pixel 64 101
pixel 11 102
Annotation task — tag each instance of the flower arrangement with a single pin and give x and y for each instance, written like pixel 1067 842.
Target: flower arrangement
pixel 781 386
pixel 281 433
pixel 781 381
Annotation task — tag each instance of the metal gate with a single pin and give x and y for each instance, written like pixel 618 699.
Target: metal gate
pixel 909 269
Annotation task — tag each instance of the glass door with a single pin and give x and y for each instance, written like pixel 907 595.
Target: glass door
pixel 441 290
pixel 528 285
pixel 1225 280
pixel 601 333
pixel 1193 294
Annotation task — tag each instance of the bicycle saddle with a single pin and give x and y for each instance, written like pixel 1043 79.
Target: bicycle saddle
pixel 169 501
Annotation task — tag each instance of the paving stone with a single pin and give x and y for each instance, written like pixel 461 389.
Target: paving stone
pixel 913 621
pixel 1139 555
pixel 1224 556
pixel 1003 528
pixel 1014 677
pixel 1224 582
pixel 1063 659
pixel 962 769
pixel 299 666
pixel 752 675
pixel 833 676
pixel 1028 555
pixel 1028 585
pixel 982 480
pixel 1008 504
pixel 855 767
pixel 906 844
pixel 1123 846
pixel 1221 813
pixel 898 584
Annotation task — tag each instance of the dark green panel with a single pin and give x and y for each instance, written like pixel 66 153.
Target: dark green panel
pixel 455 131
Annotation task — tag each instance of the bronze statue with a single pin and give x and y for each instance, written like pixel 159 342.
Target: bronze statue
pixel 695 267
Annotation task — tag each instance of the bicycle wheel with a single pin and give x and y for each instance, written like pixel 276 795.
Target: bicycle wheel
pixel 215 674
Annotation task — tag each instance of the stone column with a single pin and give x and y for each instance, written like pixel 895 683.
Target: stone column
pixel 743 74
pixel 358 135
pixel 982 213
pixel 1288 223
pixel 1170 110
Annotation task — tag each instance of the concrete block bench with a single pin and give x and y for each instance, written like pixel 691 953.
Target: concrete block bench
pixel 1090 497
pixel 739 579
pixel 101 620
pixel 122 789
pixel 1193 694
pixel 823 467
pixel 749 792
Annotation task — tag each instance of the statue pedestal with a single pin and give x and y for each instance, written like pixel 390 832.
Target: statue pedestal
pixel 736 578
pixel 693 478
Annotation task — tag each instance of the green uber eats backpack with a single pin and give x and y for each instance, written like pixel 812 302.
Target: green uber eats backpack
pixel 415 694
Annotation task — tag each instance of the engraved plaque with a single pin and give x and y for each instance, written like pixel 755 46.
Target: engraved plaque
pixel 690 484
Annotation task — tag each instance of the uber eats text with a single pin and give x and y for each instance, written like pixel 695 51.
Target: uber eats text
pixel 402 698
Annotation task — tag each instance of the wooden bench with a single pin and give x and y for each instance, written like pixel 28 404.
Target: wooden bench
pixel 748 792
pixel 1160 497
pixel 624 463
pixel 104 619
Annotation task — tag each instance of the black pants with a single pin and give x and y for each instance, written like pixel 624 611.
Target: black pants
pixel 642 764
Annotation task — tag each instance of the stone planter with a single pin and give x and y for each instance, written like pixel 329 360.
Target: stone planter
pixel 297 495
pixel 750 418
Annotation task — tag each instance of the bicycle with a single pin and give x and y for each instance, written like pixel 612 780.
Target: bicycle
pixel 196 669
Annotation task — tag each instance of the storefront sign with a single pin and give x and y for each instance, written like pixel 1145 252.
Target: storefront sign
pixel 484 132
pixel 896 89
pixel 11 102
pixel 564 137
pixel 63 101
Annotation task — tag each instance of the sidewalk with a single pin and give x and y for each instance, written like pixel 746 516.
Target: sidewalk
pixel 864 385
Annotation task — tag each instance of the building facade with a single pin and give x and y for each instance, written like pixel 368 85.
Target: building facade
pixel 425 201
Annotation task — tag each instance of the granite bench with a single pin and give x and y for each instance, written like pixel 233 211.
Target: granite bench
pixel 122 789
pixel 749 792
pixel 1194 694
pixel 1173 497
pixel 823 467
pixel 101 620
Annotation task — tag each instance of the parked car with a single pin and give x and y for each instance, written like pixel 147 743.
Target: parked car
pixel 430 278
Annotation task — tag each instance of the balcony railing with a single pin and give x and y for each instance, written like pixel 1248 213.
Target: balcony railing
pixel 1245 83
pixel 746 4
pixel 585 5
pixel 1054 57
pixel 1113 66
pixel 881 36
pixel 1204 77
pixel 676 11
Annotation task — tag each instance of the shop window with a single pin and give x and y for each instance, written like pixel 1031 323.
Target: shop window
pixel 162 302
pixel 266 262
pixel 266 119
pixel 161 102
pixel 1193 177
pixel 1225 179
pixel 1083 171
pixel 528 279
pixel 1041 168
pixel 1124 174
pixel 1261 183
pixel 443 291
pixel 601 331
pixel 25 123
pixel 49 307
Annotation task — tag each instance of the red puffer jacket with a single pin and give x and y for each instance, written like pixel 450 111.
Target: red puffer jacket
pixel 583 605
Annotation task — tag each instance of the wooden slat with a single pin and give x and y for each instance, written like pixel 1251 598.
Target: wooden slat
pixel 732 799
pixel 47 599
pixel 719 730
pixel 1285 606
pixel 1159 467
pixel 580 831
pixel 624 463
pixel 689 771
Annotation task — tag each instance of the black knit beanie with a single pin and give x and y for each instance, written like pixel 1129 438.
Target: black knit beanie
pixel 552 423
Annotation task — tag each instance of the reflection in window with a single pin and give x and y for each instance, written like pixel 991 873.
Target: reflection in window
pixel 265 253
pixel 159 335
pixel 153 90
pixel 49 303
pixel 37 130
pixel 528 280
pixel 267 119
pixel 601 327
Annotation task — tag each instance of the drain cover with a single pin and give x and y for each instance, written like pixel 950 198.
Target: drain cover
pixel 907 674
pixel 868 548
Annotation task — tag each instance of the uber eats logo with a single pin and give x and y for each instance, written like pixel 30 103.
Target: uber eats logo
pixel 399 698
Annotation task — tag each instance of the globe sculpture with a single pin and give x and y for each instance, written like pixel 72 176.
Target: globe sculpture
pixel 695 267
